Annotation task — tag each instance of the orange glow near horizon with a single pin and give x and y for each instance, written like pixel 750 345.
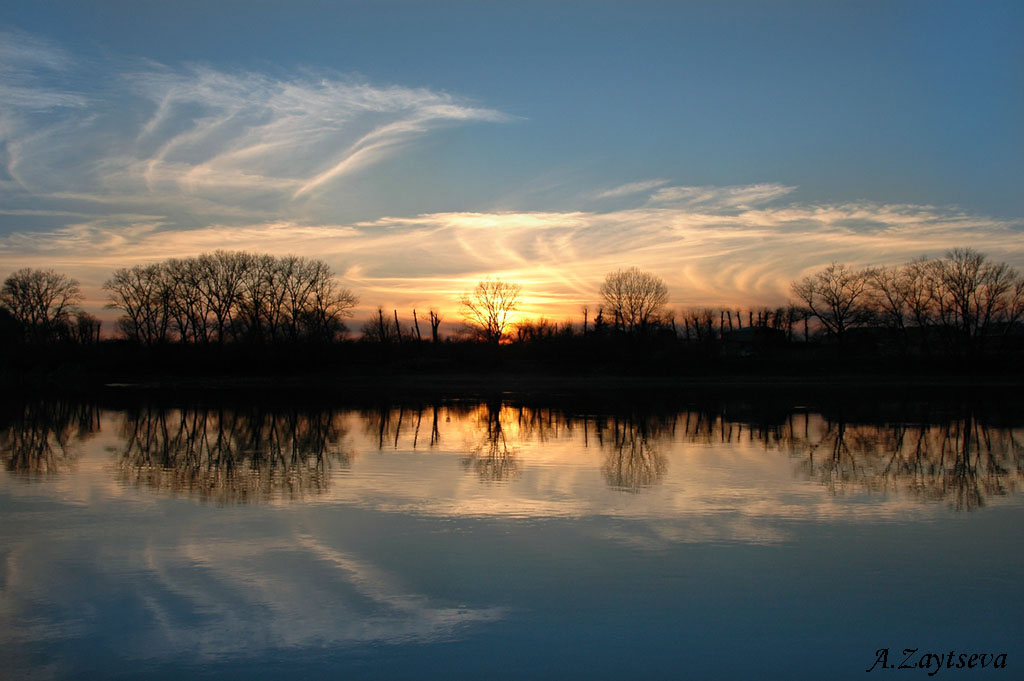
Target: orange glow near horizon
pixel 708 257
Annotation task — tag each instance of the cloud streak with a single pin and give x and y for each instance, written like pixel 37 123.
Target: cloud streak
pixel 630 189
pixel 197 143
pixel 26 61
pixel 740 197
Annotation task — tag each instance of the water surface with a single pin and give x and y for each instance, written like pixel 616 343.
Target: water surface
pixel 504 540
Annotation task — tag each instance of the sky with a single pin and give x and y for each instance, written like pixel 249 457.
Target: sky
pixel 417 147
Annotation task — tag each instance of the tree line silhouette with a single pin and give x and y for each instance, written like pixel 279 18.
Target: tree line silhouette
pixel 961 305
pixel 230 297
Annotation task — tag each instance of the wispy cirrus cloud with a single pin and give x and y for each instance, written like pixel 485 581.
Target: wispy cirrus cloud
pixel 19 50
pixel 630 188
pixel 212 129
pixel 196 143
pixel 27 66
pixel 734 197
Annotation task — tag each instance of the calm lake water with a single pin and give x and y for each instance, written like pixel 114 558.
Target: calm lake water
pixel 502 540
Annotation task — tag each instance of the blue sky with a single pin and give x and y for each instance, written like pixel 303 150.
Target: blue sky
pixel 730 147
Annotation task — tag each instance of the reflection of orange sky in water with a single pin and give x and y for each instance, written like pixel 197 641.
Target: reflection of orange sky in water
pixel 690 475
pixel 701 465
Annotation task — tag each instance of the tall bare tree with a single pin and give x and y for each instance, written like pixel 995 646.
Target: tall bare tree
pixel 972 295
pixel 701 321
pixel 837 296
pixel 634 297
pixel 329 304
pixel 143 292
pixel 435 322
pixel 380 327
pixel 489 307
pixel 40 300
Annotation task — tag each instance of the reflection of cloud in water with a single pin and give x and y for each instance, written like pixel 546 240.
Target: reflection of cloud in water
pixel 235 598
pixel 655 535
pixel 327 598
pixel 207 583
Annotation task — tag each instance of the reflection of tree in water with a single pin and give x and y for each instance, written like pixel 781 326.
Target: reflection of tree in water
pixel 388 425
pixel 493 459
pixel 962 461
pixel 37 438
pixel 232 456
pixel 490 456
pixel 631 464
pixel 251 454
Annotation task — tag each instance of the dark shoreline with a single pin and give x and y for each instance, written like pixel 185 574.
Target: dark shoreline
pixel 503 381
pixel 578 367
pixel 857 397
pixel 514 382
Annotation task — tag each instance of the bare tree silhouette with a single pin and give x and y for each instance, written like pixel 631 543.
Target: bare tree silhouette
pixel 380 328
pixel 489 307
pixel 435 322
pixel 42 301
pixel 837 296
pixel 230 296
pixel 634 297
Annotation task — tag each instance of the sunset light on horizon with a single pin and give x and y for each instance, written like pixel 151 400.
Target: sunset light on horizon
pixel 511 339
pixel 728 169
